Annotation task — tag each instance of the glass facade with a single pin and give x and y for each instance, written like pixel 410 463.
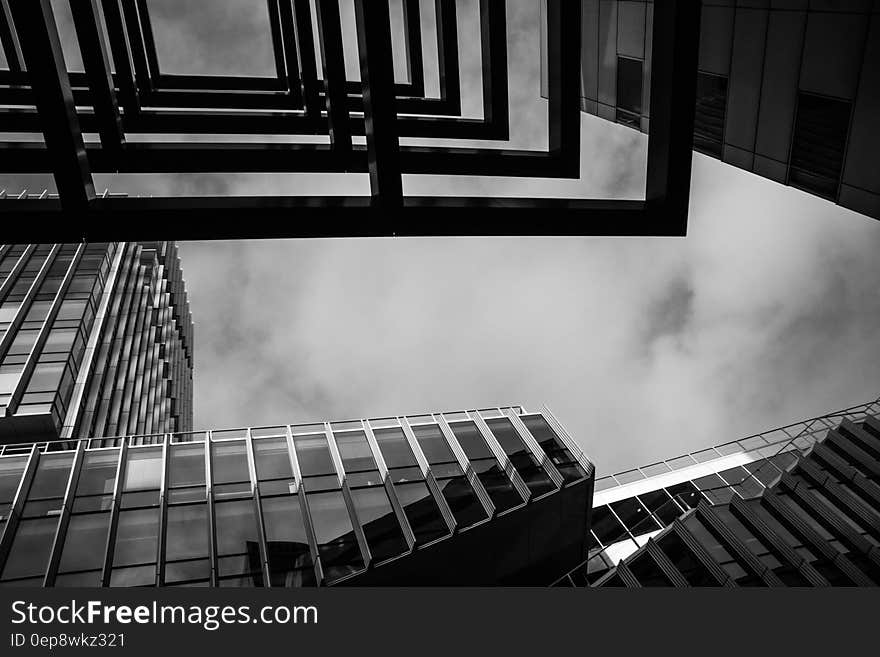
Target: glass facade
pixel 797 506
pixel 291 505
pixel 95 340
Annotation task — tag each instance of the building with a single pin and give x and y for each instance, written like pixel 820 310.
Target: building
pixel 95 340
pixel 788 90
pixel 796 506
pixel 495 496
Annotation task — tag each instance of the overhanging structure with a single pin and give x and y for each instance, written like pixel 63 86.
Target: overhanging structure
pixel 39 94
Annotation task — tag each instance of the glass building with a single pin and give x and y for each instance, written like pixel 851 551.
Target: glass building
pixel 796 506
pixel 495 496
pixel 95 340
pixel 786 89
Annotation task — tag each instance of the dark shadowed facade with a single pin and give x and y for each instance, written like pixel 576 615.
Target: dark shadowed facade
pixel 787 90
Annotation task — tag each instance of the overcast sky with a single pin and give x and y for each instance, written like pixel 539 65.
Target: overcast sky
pixel 768 312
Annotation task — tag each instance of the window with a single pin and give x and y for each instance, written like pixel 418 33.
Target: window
pixel 337 545
pixel 635 516
pixel 187 543
pixel 737 570
pixel 187 465
pixel 355 451
pixel 709 114
pixel 379 522
pixel 395 448
pixel 606 526
pixel 229 462
pixel 554 448
pixel 290 560
pixel 85 542
pixel 497 484
pixel 238 545
pixel 819 144
pixel 314 455
pixel 455 487
pixel 421 511
pixel 29 554
pixel 629 92
pixel 534 476
pixel 143 469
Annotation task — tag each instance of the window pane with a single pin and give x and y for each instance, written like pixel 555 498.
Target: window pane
pixel 534 476
pixel 497 484
pixel 236 527
pixel 182 571
pixel 421 511
pixel 29 554
pixel 51 477
pixel 143 470
pixel 136 537
pixel 433 443
pixel 395 448
pixel 11 470
pixel 314 455
pixel 272 458
pixel 229 462
pixel 380 525
pixel 187 466
pixel 85 542
pixel 98 474
pixel 337 545
pixel 290 561
pixel 606 527
pixel 634 516
pixel 187 532
pixel 648 572
pixel 462 501
pixel 819 144
pixel 471 440
pixel 709 113
pixel 355 451
pixel 140 576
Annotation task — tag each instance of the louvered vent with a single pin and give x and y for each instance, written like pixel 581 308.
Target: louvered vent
pixel 709 115
pixel 819 144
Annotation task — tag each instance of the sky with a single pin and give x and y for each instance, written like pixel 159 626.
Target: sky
pixel 767 313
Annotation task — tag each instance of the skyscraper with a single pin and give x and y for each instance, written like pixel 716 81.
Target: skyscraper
pixel 95 340
pixel 787 90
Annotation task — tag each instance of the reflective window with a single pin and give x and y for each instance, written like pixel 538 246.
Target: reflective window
pixel 98 473
pixel 606 526
pixel 355 451
pixel 661 505
pixel 290 560
pixel 313 455
pixel 137 536
pixel 433 444
pixel 395 448
pixel 534 476
pixel 143 469
pixel 272 458
pixel 51 477
pixel 554 448
pixel 635 516
pixel 11 470
pixel 238 545
pixel 686 494
pixel 187 465
pixel 497 484
pixel 85 542
pixel 379 522
pixel 187 533
pixel 229 462
pixel 29 554
pixel 337 545
pixel 462 501
pixel 421 511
